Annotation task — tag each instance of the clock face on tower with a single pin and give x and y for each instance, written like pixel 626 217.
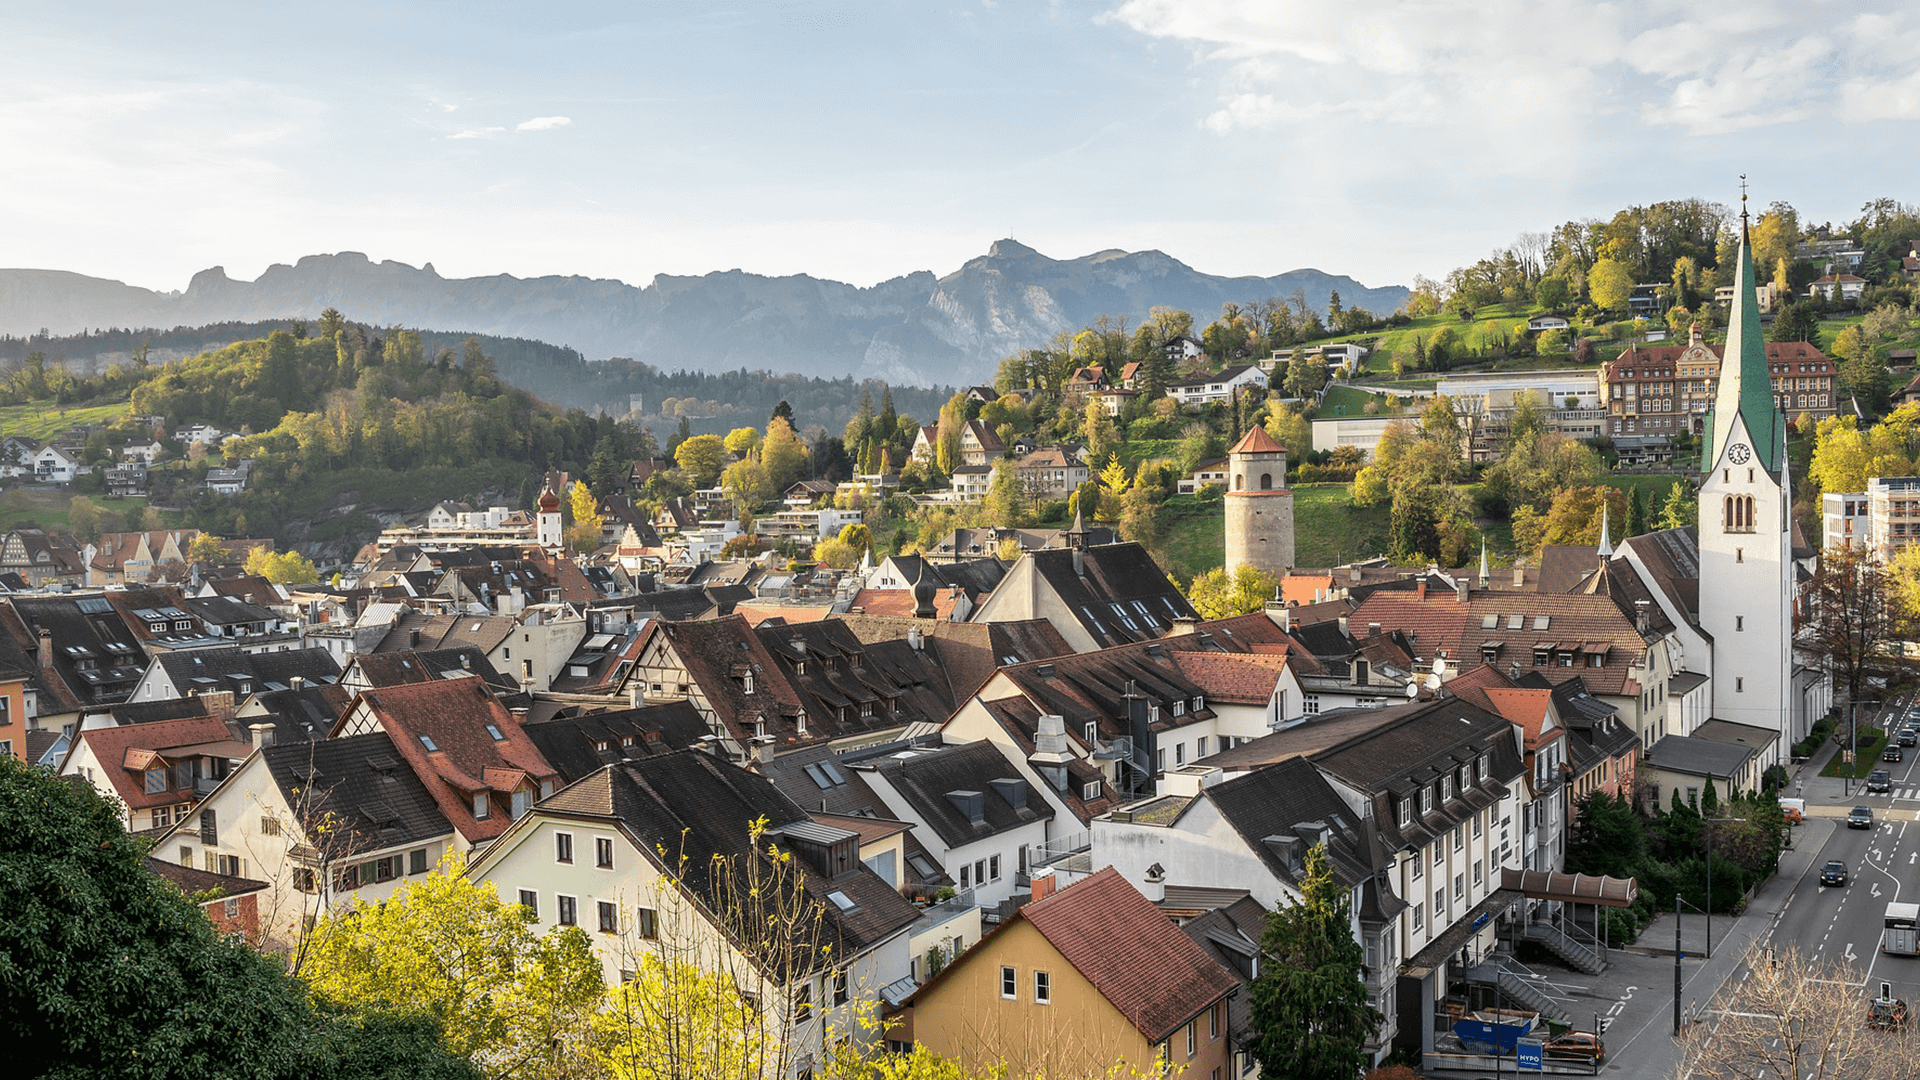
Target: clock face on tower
pixel 1738 453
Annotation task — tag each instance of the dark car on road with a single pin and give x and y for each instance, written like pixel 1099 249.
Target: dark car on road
pixel 1834 873
pixel 1887 1014
pixel 1892 754
pixel 1860 817
pixel 1879 782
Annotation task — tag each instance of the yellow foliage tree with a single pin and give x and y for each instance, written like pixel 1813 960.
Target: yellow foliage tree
pixel 1217 594
pixel 584 533
pixel 281 567
pixel 513 1002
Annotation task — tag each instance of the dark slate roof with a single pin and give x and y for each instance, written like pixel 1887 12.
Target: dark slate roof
pixel 113 659
pixel 416 631
pixel 837 675
pixel 1277 811
pixel 925 781
pixel 425 665
pixel 1103 599
pixel 674 605
pixel 1673 561
pixel 573 744
pixel 306 713
pixel 1426 741
pixel 713 651
pixel 1563 566
pixel 689 803
pixel 1696 756
pixel 967 654
pixel 227 669
pixel 147 712
pixel 361 787
pixel 824 782
pixel 227 610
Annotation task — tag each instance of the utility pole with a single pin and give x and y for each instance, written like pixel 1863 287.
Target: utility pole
pixel 1676 963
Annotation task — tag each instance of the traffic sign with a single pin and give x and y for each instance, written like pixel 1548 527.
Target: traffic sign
pixel 1531 1054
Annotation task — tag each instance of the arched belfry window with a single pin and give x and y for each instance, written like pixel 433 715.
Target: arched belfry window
pixel 1239 481
pixel 1737 513
pixel 1266 481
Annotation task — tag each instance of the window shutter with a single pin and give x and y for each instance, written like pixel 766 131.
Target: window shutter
pixel 209 830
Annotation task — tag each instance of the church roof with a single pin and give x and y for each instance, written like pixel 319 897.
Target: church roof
pixel 1746 384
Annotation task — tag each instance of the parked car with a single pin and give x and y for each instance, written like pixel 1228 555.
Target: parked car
pixel 1834 873
pixel 1892 754
pixel 1887 1014
pixel 1909 737
pixel 1584 1045
pixel 1794 810
pixel 1879 782
pixel 1860 817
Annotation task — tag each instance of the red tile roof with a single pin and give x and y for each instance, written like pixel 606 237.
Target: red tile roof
pixel 121 751
pixel 1257 441
pixel 1159 980
pixel 1234 678
pixel 1527 708
pixel 466 760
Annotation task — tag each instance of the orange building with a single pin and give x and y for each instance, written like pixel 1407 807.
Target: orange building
pixel 1075 982
pixel 13 713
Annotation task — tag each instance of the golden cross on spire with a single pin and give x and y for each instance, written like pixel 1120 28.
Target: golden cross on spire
pixel 1743 196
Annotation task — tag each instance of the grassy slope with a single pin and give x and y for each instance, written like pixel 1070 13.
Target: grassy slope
pixel 1327 532
pixel 43 420
pixel 48 509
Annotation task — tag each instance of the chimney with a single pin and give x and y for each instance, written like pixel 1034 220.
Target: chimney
pixel 914 641
pixel 1156 883
pixel 298 682
pixel 1373 630
pixel 1344 624
pixel 1642 616
pixel 1420 589
pixel 1050 739
pixel 262 735
pixel 1519 576
pixel 1043 885
pixel 1353 573
pixel 1460 589
pixel 1183 624
pixel 520 714
pixel 218 703
pixel 413 637
pixel 45 649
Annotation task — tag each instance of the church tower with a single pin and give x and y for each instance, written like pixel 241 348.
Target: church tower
pixel 1259 505
pixel 1746 535
pixel 548 531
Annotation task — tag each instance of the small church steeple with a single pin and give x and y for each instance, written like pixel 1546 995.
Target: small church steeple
pixel 1746 385
pixel 1606 545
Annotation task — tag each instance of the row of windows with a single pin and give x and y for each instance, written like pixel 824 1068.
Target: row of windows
pixel 1464 775
pixel 646 920
pixel 602 850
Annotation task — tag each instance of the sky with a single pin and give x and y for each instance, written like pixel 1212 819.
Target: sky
pixel 861 141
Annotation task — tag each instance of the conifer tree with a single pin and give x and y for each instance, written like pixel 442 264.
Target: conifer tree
pixel 1310 1014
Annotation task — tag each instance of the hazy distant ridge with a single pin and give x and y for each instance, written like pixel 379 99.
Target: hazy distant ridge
pixel 916 328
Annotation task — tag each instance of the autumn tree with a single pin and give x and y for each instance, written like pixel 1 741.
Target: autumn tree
pixel 782 454
pixel 1217 594
pixel 205 549
pixel 1006 504
pixel 513 1002
pixel 1309 1010
pixel 742 441
pixel 1610 283
pixel 746 483
pixel 702 456
pixel 584 534
pixel 83 517
pixel 281 567
pixel 1853 619
pixel 946 449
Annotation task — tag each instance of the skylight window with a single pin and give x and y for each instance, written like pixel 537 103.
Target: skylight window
pixel 427 741
pixel 841 900
pixel 495 732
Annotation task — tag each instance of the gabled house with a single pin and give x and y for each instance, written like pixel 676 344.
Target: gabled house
pixel 78 647
pixel 191 672
pixel 474 758
pixel 322 822
pixel 977 816
pixel 56 464
pixel 1075 982
pixel 158 771
pixel 1219 386
pixel 42 558
pixel 1095 596
pixel 636 855
pixel 978 444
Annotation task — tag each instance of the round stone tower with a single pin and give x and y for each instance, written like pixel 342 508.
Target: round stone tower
pixel 1259 505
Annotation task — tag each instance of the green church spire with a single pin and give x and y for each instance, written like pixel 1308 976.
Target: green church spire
pixel 1746 385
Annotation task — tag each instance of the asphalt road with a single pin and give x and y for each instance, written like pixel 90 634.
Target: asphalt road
pixel 1883 865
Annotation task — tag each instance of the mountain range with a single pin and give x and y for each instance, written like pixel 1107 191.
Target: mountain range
pixel 917 329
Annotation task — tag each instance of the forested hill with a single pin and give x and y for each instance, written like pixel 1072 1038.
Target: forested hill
pixel 710 401
pixel 919 328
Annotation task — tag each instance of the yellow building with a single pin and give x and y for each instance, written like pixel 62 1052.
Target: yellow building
pixel 1076 981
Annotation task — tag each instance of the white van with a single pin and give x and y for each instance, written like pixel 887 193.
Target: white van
pixel 1794 810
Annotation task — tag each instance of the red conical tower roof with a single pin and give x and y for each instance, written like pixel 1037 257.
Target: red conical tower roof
pixel 1257 441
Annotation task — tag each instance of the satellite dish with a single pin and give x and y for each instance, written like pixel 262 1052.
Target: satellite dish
pixel 1413 690
pixel 1439 665
pixel 1433 681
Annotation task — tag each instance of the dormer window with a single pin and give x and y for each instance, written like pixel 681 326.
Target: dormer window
pixel 1406 811
pixel 1153 713
pixel 1426 800
pixel 480 808
pixel 1199 702
pixel 746 683
pixel 1179 707
pixel 1446 788
pixel 1483 767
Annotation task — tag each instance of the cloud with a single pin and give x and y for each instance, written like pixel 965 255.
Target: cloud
pixel 477 133
pixel 1565 65
pixel 542 123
